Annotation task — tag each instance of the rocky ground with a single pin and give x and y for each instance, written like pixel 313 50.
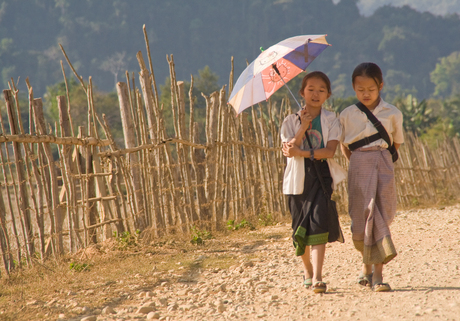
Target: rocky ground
pixel 264 281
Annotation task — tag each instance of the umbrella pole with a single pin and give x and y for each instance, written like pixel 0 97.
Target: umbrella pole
pixel 278 72
pixel 312 153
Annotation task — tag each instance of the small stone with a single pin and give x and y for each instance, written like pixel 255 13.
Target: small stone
pixel 89 318
pixel 221 308
pixel 33 302
pixel 61 316
pixel 78 310
pixel 248 264
pixel 153 315
pixel 149 304
pixel 108 310
pixel 189 307
pixel 145 310
pixel 183 292
pixel 172 307
pixel 163 301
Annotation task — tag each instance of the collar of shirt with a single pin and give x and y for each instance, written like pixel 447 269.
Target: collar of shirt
pixel 382 104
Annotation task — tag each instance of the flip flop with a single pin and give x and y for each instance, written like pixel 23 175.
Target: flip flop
pixel 365 279
pixel 307 282
pixel 319 287
pixel 381 287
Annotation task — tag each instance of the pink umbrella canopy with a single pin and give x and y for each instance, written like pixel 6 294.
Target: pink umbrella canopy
pixel 260 80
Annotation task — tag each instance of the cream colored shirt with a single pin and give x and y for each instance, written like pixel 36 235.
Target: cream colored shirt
pixel 294 174
pixel 356 125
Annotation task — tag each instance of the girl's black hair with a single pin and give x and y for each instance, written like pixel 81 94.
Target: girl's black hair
pixel 368 69
pixel 315 74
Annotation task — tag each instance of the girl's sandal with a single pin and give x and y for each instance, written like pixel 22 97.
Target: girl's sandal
pixel 381 287
pixel 319 287
pixel 307 282
pixel 365 279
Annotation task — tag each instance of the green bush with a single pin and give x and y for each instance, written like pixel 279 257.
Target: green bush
pixel 198 236
pixel 233 226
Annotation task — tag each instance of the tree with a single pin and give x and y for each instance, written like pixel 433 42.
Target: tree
pixel 104 103
pixel 446 76
pixel 417 116
pixel 207 81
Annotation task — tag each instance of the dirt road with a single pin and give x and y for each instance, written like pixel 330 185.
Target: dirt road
pixel 264 280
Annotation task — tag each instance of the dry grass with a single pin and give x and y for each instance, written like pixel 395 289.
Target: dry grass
pixel 109 273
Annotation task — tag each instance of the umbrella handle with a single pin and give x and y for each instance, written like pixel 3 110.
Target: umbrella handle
pixel 312 153
pixel 275 68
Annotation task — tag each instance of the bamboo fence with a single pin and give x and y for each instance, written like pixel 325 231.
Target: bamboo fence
pixel 161 185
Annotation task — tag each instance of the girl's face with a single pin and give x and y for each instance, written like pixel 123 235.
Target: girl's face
pixel 367 91
pixel 315 92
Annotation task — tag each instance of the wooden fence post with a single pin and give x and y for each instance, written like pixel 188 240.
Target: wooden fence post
pixel 130 142
pixel 20 164
pixel 55 211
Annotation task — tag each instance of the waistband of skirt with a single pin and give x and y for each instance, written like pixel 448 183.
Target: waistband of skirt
pixel 369 149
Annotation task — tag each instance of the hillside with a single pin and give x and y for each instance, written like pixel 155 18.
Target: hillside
pixel 103 37
pixel 439 7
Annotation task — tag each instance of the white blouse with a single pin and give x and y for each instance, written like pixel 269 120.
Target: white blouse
pixel 356 125
pixel 294 174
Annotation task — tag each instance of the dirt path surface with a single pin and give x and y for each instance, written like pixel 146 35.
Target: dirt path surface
pixel 265 281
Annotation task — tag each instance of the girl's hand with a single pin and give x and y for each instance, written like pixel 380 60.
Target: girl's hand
pixel 291 150
pixel 305 119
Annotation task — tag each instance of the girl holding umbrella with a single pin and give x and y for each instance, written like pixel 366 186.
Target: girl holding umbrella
pixel 310 176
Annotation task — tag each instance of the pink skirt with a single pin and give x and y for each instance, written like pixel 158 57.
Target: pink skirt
pixel 372 204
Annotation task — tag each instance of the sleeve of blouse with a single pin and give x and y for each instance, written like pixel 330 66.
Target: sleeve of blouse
pixel 398 134
pixel 287 132
pixel 335 131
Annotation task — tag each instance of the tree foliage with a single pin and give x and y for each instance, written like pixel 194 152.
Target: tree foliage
pixel 446 76
pixel 105 103
pixel 96 34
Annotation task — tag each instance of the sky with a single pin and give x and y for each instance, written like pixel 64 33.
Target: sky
pixel 437 7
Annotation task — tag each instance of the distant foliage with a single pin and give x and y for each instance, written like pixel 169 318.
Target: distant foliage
pixel 105 103
pixel 446 76
pixel 102 37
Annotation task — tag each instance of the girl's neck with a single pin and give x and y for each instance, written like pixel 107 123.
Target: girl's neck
pixel 313 111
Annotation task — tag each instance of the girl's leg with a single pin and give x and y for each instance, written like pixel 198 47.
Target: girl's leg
pixel 307 267
pixel 377 281
pixel 318 253
pixel 366 275
pixel 378 276
pixel 367 269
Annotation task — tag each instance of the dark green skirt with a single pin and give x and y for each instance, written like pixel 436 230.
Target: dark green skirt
pixel 312 223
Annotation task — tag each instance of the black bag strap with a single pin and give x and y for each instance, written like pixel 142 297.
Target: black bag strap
pixel 381 132
pixel 377 124
pixel 315 164
pixel 365 141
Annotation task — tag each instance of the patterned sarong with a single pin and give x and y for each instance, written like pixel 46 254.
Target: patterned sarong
pixel 372 204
